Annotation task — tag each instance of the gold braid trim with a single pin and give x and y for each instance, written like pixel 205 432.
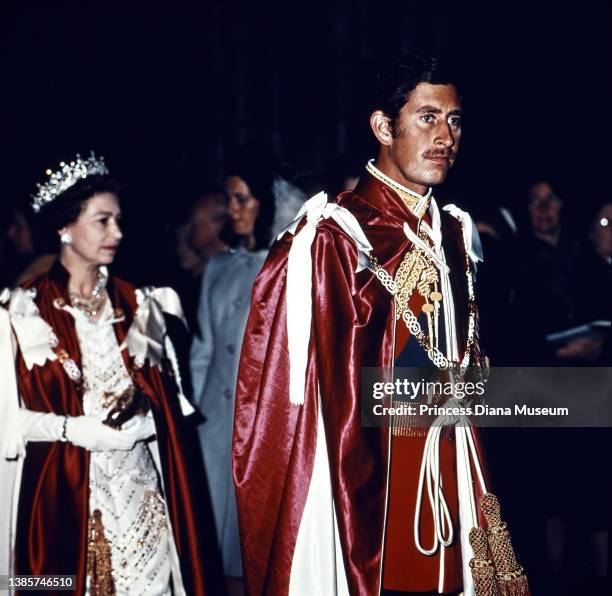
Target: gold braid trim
pixel 511 578
pixel 99 564
pixel 483 570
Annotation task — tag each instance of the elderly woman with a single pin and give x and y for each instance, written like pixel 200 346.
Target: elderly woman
pixel 92 412
pixel 260 205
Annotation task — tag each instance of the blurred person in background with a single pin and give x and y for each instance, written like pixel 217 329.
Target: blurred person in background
pixel 601 235
pixel 578 525
pixel 261 203
pixel 546 298
pixel 560 284
pixel 586 530
pixel 198 239
pixel 544 208
pixel 596 274
pixel 496 277
pixel 22 255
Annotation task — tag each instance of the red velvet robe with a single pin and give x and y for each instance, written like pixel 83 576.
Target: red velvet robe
pixel 274 441
pixel 53 499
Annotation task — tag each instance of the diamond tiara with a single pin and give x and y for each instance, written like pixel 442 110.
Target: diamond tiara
pixel 68 175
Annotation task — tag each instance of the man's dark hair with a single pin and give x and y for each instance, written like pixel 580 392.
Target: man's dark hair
pixel 395 83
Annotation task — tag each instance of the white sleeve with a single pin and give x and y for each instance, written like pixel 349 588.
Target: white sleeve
pixel 40 426
pixel 12 443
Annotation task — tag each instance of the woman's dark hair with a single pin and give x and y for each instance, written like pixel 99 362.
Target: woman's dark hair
pixel 395 83
pixel 258 168
pixel 66 208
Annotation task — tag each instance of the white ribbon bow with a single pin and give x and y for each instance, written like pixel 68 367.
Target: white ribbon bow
pixel 146 337
pixel 299 281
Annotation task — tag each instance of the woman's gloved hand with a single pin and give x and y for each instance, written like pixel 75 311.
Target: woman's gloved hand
pixel 139 427
pixel 92 434
pixel 84 431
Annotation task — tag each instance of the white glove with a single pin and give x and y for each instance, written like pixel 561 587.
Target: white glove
pixel 40 426
pixel 139 428
pixel 91 434
pixel 84 431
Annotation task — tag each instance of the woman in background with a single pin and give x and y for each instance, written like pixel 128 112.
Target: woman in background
pixel 260 205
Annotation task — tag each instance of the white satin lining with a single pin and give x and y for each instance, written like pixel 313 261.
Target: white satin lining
pixel 317 566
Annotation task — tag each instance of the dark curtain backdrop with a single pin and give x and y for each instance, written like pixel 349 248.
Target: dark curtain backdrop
pixel 166 90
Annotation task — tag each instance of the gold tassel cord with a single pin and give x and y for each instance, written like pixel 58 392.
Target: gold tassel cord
pixel 99 565
pixel 483 570
pixel 511 578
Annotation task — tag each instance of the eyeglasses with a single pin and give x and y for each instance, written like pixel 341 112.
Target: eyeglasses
pixel 544 201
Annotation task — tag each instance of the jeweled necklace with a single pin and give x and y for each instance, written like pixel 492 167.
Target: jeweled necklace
pixel 90 307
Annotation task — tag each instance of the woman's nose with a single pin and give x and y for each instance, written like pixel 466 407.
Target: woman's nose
pixel 117 233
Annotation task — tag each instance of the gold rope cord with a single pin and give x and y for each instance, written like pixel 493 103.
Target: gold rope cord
pixel 99 565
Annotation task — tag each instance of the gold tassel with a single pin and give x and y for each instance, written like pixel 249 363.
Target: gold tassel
pixel 99 565
pixel 511 578
pixel 483 571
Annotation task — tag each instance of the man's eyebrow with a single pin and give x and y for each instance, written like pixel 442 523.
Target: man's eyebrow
pixel 434 110
pixel 429 110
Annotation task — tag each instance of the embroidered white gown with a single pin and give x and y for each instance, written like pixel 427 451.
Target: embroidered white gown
pixel 124 485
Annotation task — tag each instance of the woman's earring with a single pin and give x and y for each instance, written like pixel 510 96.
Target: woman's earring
pixel 66 238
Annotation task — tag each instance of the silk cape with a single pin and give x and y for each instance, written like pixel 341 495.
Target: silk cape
pixel 274 443
pixel 52 496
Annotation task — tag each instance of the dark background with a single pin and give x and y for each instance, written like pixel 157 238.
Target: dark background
pixel 165 91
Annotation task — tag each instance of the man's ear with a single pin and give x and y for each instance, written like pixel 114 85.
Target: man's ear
pixel 381 127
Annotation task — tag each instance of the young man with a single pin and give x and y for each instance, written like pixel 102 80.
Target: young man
pixel 381 278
